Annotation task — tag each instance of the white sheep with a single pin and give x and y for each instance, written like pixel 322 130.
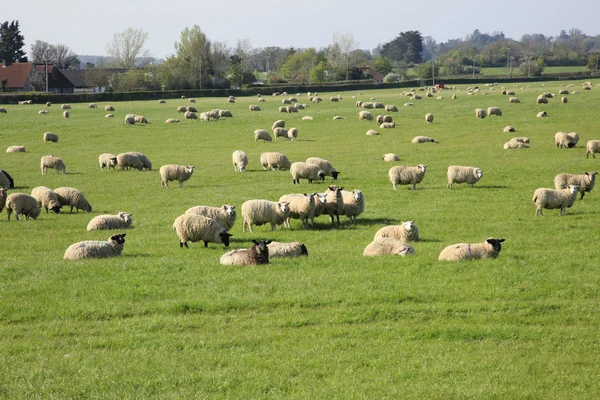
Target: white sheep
pixel 278 124
pixel 191 115
pixel 262 134
pixel 130 119
pixel 509 128
pixel 92 105
pixel 513 144
pixel 476 251
pixel 120 220
pixel 565 140
pixel 514 100
pixel 461 174
pixel 292 134
pixel 372 132
pixel 494 111
pixel 196 228
pixel 224 215
pixel 53 162
pixel 96 249
pixel 334 204
pixel 174 172
pixel 171 121
pixel 429 118
pixel 541 114
pixel 293 249
pixel 592 147
pixel 386 246
pixel 423 139
pixel 66 115
pixel 403 175
pixel 541 99
pixel 480 113
pixel 15 149
pixel 162 101
pixel 145 162
pixel 320 201
pixel 324 165
pixel 3 110
pixel 554 198
pixel 584 182
pixel 225 114
pixel 108 108
pixel 407 231
pixel 365 115
pixel 240 160
pixel 109 116
pixel 72 197
pixel 280 132
pixel 46 198
pixel 354 204
pixel 128 160
pixel 254 107
pixel 387 125
pixel 389 157
pixel 307 118
pixel 107 160
pixel 22 204
pixel 43 112
pixel 409 104
pixel 65 107
pixel 260 212
pixel 140 119
pixel 303 170
pixel 274 161
pixel 391 108
pixel 255 255
pixel 302 207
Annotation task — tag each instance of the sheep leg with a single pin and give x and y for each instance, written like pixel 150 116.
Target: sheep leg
pixel 273 227
pixel 394 185
pixel 180 184
pixel 205 243
pixel 414 186
pixel 331 216
pixel 582 194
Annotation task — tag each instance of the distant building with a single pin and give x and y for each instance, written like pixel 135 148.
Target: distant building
pixel 78 78
pixel 27 77
pixel 18 76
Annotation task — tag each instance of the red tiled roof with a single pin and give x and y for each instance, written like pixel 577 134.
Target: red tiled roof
pixel 42 68
pixel 16 73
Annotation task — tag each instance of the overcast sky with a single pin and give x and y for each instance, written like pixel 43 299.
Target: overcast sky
pixel 87 26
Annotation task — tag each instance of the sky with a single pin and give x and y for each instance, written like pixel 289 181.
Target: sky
pixel 87 26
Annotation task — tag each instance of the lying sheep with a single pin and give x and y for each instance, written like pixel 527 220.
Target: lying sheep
pixel 514 100
pixel 15 149
pixel 130 119
pixel 254 107
pixel 293 249
pixel 316 99
pixel 324 165
pixel 365 115
pixel 120 220
pixel 66 115
pixel 379 119
pixel 181 109
pixel 453 97
pixel 542 114
pixel 260 212
pixel 372 132
pixel 255 255
pixel 302 207
pixel 225 114
pixel 564 99
pixel 224 215
pixel 387 125
pixel 22 204
pixel 354 204
pixel 96 249
pixel 109 116
pixel 192 100
pixel 509 128
pixel 460 174
pixel 554 198
pixel 391 108
pixel 53 162
pixel 109 108
pixel 196 228
pixel 592 147
pixel 43 112
pixel 585 182
pixel 141 119
pixel 240 160
pixel 283 109
pixel 307 118
pixel 171 121
pixel 92 105
pixel 46 198
pixel 423 139
pixel 541 99
pixel 494 111
pixel 303 170
pixel 511 144
pixel 174 172
pixel 403 175
pixel 405 232
pixel 565 140
pixel 520 139
pixel 480 113
pixel 388 246
pixel 389 157
pixel 274 161
pixel 476 251
pixel 429 118
pixel 409 104
pixel 65 107
pixel 107 160
pixel 338 117
pixel 73 198
pixel 262 134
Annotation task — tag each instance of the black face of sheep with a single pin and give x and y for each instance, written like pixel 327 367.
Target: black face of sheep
pixel 496 243
pixel 262 246
pixel 335 174
pixel 56 210
pixel 119 238
pixel 225 238
pixel 304 251
pixel 10 179
pixel 571 145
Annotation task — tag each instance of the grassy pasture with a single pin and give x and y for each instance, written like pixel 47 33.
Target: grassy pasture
pixel 165 322
pixel 497 71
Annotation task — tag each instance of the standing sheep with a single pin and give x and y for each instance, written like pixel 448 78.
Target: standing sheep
pixel 240 160
pixel 564 99
pixel 130 119
pixel 278 124
pixel 224 215
pixel 390 108
pixel 108 108
pixel 429 118
pixel 405 232
pixel 302 207
pixel 15 149
pixel 262 134
pixel 592 147
pixel 293 249
pixel 585 182
pixel 292 134
pixel 280 132
pixel 190 115
pixel 196 228
pixel 467 251
pixel 274 161
pixel 565 140
pixel 302 170
pixel 68 196
pixel 494 111
pixel 334 203
pixel 50 137
pixel 354 204
pixel 403 175
pixel 128 160
pixel 145 161
pixel 174 172
pixel 385 246
pixel 514 100
pixel 141 119
pixel 480 113
pixel 96 249
pixel 121 220
pixel 46 198
pixel 554 198
pixel 255 255
pixel 365 115
pixel 107 160
pixel 460 174
pixel 254 107
pixel 260 212
pixel 324 165
pixel 52 162
pixel 22 204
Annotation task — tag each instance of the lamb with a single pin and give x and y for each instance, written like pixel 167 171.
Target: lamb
pixel 22 204
pixel 260 212
pixel 480 113
pixel 274 161
pixel 387 125
pixel 407 175
pixel 66 114
pixel 490 248
pixel 52 162
pixel 592 147
pixel 511 144
pixel 509 128
pixel 174 172
pixel 541 99
pixel 108 108
pixel 407 231
pixel 334 203
pixel 293 249
pixel 388 246
pixel 423 139
pixel 585 182
pixel 372 132
pixel 96 249
pixel 6 181
pixel 303 170
pixel 191 115
pixel 141 119
pixel 65 107
pixel 324 165
pixel 554 198
pixel 240 160
pixel 389 157
pixel 171 121
pixel 365 115
pixel 46 198
pixel 224 215
pixel 302 207
pixel 254 107
pixel 292 134
pixel 15 149
pixel 460 174
pixel 129 160
pixel 354 204
pixel 564 140
pixel 196 228
pixel 391 108
pixel 542 114
pixel 494 111
pixel 514 100
pixel 278 124
pixel 120 220
pixel 262 134
pixel 429 118
pixel 107 160
pixel 68 196
pixel 255 255
pixel 130 119
pixel 92 105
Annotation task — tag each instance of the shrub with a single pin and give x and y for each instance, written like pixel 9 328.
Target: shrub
pixel 391 77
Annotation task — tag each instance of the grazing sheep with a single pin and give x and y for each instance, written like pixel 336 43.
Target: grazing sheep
pixel 6 181
pixel 514 100
pixel 174 172
pixel 255 255
pixel 391 108
pixel 280 132
pixel 565 140
pixel 92 105
pixel 405 232
pixel 161 101
pixel 423 139
pixel 409 104
pixel 389 157
pixel 379 119
pixel 324 165
pixel 254 107
pixel 171 121
pixel 592 147
pixel 196 228
pixel 120 220
pixel 68 196
pixel 510 93
pixel 274 161
pixel 542 114
pixel 429 118
pixel 65 107
pixel 240 160
pixel 2 110
pixel 278 124
pixel 302 207
pixel 46 198
pixel 511 144
pixel 260 212
pixel 66 114
pixel 378 105
pixel 130 119
pixel 109 108
pixel 224 215
pixel 191 109
pixel 262 134
pixel 292 134
pixel 354 204
pixel 564 99
pixel 190 115
pixel 585 182
pixel 333 99
pixel 307 118
pixel 541 99
pixel 402 175
pixel 129 160
pixel 554 198
pixel 372 132
pixel 303 170
pixel 367 105
pixel 192 100
pixel 387 125
pixel 145 161
pixel 22 204
pixel 460 174
pixel 141 119
pixel 286 101
pixel 480 113
pixel 293 249
pixel 181 109
pixel 225 114
pixel 509 128
pixel 15 149
pixel 52 162
pixel 365 115
pixel 96 249
pixel 359 103
pixel 385 246
pixel 476 251
pixel 316 99
pixel 300 106
pixel 494 111
pixel 107 160
pixel 283 109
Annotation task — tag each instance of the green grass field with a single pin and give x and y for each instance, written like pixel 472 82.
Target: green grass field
pixel 164 322
pixel 497 71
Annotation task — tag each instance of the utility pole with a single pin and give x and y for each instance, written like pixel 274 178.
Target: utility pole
pixel 433 72
pixel 47 75
pixel 473 67
pixel 508 61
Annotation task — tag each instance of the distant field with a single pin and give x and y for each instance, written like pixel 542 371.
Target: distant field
pixel 547 70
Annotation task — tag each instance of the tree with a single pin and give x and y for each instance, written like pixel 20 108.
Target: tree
pixel 240 61
pixel 407 46
pixel 319 73
pixel 97 77
pixel 41 52
pixel 530 68
pixel 424 71
pixel 340 53
pixel 297 67
pixel 127 48
pixel 593 61
pixel 11 41
pixel 192 57
pixel 63 57
pixel 383 65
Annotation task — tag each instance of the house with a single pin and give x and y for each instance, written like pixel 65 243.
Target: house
pixel 28 77
pixel 57 82
pixel 17 75
pixel 79 78
pixel 367 71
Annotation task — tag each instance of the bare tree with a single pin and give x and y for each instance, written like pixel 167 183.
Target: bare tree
pixel 63 57
pixel 340 52
pixel 41 52
pixel 127 48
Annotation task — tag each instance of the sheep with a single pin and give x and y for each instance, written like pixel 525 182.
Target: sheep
pixel 66 115
pixel 334 203
pixel 182 97
pixel 316 99
pixel 192 100
pixel 107 160
pixel 514 100
pixel 389 157
pixel 224 215
pixel 141 119
pixel 388 246
pixel 278 124
pixel 6 181
pixel 494 111
pixel 480 113
pixel 307 118
pixel 262 134
pixel 585 182
pixel 255 255
pixel 520 139
pixel 254 107
pixel 372 132
pixel 225 114
pixel 324 165
pixel 564 99
pixel 300 106
pixel 161 101
pixel 592 147
pixel 68 196
pixel 15 149
pixel 65 107
pixel 542 114
pixel 541 99
pixel 128 160
pixel 563 91
pixel 490 248
pixel 174 172
pixel 460 174
pixel 509 128
pixel 46 198
pixel 365 115
pixel 423 139
pixel 145 161
pixel 130 119
pixel 407 175
pixel 109 116
pixel 367 105
pixel 409 104
pixel 417 97
pixel 303 170
pixel 387 125
pixel 196 228
pixel 92 105
pixel 378 105
pixel 190 115
pixel 293 100
pixel 554 198
pixel 338 117
pixel 2 198
pixel 302 207
pixel 280 132
pixel 181 109
pixel 96 249
pixel 286 101
pixel 260 212
pixel 511 144
pixel 283 109
pixel 51 161
pixel 274 161
pixel 510 93
pixel 453 97
pixel 354 204
pixel 108 108
pixel 120 220
pixel 565 140
pixel 320 201
pixel 429 118
pixel 293 249
pixel 240 160
pixel 191 109
pixel 379 119
pixel 171 121
pixel 43 112
pixel 22 204
pixel 292 134
pixel 2 110
pixel 407 231
pixel 573 138
pixel 391 108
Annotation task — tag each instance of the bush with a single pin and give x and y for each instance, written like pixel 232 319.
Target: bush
pixel 531 68
pixel 391 78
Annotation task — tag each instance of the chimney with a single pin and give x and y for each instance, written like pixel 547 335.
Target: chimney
pixel 3 63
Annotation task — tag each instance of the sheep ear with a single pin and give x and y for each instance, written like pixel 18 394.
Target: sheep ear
pixel 268 242
pixel 501 240
pixel 233 207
